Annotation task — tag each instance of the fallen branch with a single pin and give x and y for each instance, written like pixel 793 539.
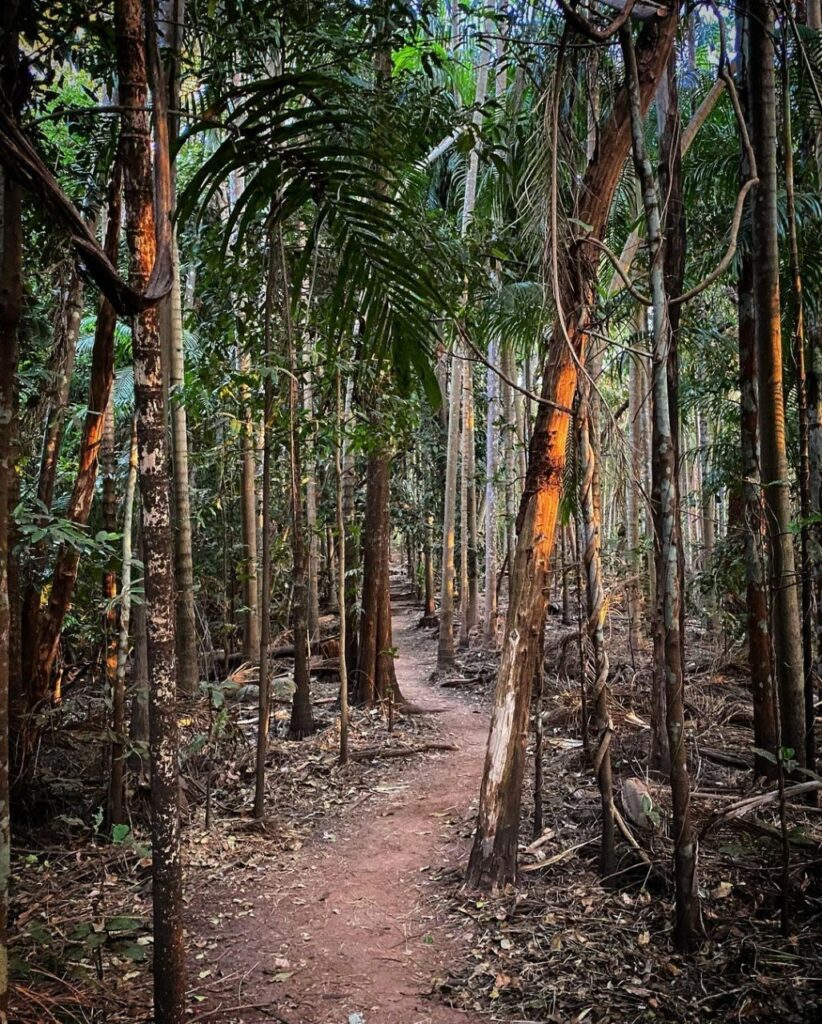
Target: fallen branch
pixel 559 856
pixel 369 753
pixel 740 808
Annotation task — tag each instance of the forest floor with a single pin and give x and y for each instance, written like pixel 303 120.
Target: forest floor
pixel 348 905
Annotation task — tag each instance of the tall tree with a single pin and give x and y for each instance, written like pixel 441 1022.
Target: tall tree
pixel 135 44
pixel 787 637
pixel 494 852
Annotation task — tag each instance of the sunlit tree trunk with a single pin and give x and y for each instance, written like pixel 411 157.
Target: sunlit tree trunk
pixel 787 640
pixel 62 367
pixel 169 964
pixel 494 853
pixel 67 562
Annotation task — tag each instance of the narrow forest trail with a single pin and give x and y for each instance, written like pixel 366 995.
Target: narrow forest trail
pixel 347 923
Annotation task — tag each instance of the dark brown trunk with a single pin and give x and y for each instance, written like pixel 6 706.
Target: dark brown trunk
pixel 169 964
pixel 753 523
pixel 376 677
pixel 668 539
pixel 68 559
pixel 11 304
pixel 264 708
pixel 302 722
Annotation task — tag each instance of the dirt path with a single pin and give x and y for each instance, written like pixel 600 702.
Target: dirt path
pixel 345 930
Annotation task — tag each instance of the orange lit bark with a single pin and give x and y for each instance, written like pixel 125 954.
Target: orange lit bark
pixel 494 854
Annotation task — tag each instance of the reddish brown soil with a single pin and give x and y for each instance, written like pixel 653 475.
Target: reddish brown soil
pixel 344 928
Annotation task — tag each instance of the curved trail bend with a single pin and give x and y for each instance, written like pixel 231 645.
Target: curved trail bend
pixel 349 918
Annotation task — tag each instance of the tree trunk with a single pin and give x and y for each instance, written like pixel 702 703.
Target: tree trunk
pixel 668 532
pixel 302 721
pixel 706 516
pixel 264 706
pixel 376 677
pixel 339 462
pixel 11 304
pixel 311 512
pixel 62 367
pixel 248 509
pixel 588 441
pixel 490 618
pixel 787 640
pixel 509 434
pixel 808 554
pixel 170 24
pixel 634 488
pixel 187 664
pixel 445 645
pixel 102 377
pixel 428 560
pixel 469 454
pixel 814 21
pixel 494 854
pixel 116 789
pixel 349 594
pixel 169 963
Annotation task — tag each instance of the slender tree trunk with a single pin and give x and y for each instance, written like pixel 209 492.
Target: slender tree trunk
pixel 68 559
pixel 706 515
pixel 311 513
pixel 169 963
pixel 264 707
pixel 339 462
pixel 787 639
pixel 376 677
pixel 428 561
pixel 463 584
pixel 469 468
pixel 814 21
pixel 596 615
pixel 108 462
pixel 62 366
pixel 445 646
pixel 116 789
pixel 302 721
pixel 668 532
pixel 494 853
pixel 349 594
pixel 808 554
pixel 490 618
pixel 248 509
pixel 170 24
pixel 187 664
pixel 634 497
pixel 11 304
pixel 758 619
pixel 509 431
